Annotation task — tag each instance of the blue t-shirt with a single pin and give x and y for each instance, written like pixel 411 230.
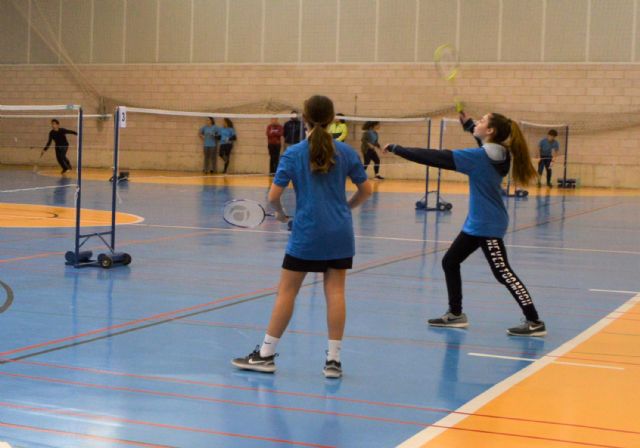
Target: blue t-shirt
pixel 487 216
pixel 209 133
pixel 226 134
pixel 547 147
pixel 368 136
pixel 322 227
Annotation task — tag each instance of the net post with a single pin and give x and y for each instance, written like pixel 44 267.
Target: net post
pixel 426 187
pixel 114 178
pixel 508 190
pixel 566 154
pixel 440 148
pixel 76 263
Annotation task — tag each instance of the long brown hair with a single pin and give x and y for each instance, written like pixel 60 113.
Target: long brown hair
pixel 505 128
pixel 319 113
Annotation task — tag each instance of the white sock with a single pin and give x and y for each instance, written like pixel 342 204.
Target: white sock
pixel 334 350
pixel 269 345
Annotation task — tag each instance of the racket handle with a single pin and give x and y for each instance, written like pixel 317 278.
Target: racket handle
pixel 273 215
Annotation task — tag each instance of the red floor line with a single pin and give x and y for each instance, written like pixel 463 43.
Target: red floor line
pixel 97 417
pixel 207 399
pixel 184 310
pixel 360 268
pixel 78 435
pixel 30 257
pixel 414 342
pixel 435 426
pixel 314 396
pixel 134 322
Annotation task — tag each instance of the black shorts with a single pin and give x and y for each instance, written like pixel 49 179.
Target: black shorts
pixel 299 265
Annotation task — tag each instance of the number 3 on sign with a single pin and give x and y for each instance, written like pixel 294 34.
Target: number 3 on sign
pixel 123 117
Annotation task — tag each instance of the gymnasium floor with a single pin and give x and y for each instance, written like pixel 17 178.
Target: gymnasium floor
pixel 139 355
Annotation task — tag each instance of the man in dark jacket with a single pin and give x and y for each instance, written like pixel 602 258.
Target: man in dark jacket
pixel 58 135
pixel 293 131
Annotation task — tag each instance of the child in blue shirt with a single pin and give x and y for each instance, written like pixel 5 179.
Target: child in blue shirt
pixel 226 135
pixel 322 237
pixel 487 220
pixel 369 145
pixel 548 147
pixel 208 134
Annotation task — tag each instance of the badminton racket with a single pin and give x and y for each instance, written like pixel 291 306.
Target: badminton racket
pixel 448 66
pixel 35 166
pixel 244 213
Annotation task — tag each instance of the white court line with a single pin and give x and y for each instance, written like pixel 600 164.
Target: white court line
pixel 390 238
pixel 614 291
pixel 38 188
pixel 489 395
pixel 514 358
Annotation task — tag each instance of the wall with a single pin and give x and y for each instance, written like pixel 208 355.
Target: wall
pixel 523 91
pixel 559 61
pixel 286 31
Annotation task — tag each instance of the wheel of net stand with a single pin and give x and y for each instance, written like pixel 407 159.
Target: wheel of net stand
pixel 117 258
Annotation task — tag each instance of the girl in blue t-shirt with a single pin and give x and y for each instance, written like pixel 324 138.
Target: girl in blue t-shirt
pixel 208 133
pixel 322 237
pixel 487 221
pixel 227 135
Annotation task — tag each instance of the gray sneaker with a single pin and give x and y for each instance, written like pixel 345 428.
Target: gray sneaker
pixel 450 320
pixel 528 328
pixel 253 361
pixel 332 369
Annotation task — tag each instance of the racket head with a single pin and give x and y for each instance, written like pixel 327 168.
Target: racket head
pixel 243 213
pixel 447 62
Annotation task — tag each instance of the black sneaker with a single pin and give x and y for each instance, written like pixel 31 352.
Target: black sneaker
pixel 253 361
pixel 450 320
pixel 379 177
pixel 528 328
pixel 332 369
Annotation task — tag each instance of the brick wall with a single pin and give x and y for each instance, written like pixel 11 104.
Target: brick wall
pixel 522 91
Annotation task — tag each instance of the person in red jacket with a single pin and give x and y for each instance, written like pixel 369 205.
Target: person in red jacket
pixel 275 131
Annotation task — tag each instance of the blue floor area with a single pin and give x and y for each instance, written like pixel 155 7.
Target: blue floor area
pixel 140 355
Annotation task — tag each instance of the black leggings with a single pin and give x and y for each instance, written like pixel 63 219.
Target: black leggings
pixel 369 156
pixel 61 155
pixel 496 254
pixel 274 157
pixel 225 154
pixel 542 164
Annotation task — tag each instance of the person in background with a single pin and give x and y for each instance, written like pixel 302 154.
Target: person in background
pixel 293 131
pixel 208 134
pixel 275 131
pixel 548 147
pixel 227 135
pixel 369 145
pixel 338 128
pixel 59 136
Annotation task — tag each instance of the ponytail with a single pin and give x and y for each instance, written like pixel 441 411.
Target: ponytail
pixel 319 113
pixel 523 170
pixel 508 133
pixel 321 150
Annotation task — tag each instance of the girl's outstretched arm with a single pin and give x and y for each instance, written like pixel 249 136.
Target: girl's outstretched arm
pixel 432 157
